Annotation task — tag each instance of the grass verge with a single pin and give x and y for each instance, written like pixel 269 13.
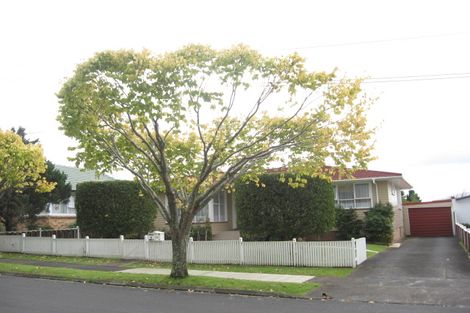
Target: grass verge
pixel 377 248
pixel 311 271
pixel 192 282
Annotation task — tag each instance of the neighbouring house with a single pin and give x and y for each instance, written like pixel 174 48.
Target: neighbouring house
pixel 461 209
pixel 61 215
pixel 361 191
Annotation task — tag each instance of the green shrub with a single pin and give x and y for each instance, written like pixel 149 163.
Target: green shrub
pixel 201 232
pixel 279 212
pixel 108 209
pixel 348 224
pixel 379 223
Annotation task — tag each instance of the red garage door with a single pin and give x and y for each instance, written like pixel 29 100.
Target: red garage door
pixel 430 222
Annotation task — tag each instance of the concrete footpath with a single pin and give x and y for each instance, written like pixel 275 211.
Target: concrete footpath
pixel 231 275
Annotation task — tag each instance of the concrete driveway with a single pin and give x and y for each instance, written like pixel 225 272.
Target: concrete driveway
pixel 433 271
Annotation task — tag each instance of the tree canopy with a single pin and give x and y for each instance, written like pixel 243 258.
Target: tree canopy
pixel 21 168
pixel 190 122
pixel 412 196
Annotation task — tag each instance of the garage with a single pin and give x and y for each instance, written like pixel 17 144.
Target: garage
pixel 430 221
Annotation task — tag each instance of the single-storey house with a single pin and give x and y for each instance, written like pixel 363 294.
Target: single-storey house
pixel 360 192
pixel 61 215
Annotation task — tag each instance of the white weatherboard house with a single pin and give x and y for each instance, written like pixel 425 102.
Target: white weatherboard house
pixel 61 215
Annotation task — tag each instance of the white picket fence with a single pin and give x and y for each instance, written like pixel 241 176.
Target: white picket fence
pixel 283 253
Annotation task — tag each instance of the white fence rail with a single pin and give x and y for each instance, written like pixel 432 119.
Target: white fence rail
pixel 278 253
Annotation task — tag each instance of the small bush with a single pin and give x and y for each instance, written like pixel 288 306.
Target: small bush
pixel 201 232
pixel 108 209
pixel 466 225
pixel 348 224
pixel 379 223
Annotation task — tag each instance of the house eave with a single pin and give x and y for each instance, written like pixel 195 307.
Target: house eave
pixel 397 180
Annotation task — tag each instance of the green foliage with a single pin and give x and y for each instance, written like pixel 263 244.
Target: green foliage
pixel 22 165
pixel 188 123
pixel 111 208
pixel 412 196
pixel 201 232
pixel 273 210
pixel 379 223
pixel 348 224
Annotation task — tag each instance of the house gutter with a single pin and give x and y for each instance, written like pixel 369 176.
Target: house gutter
pixel 376 191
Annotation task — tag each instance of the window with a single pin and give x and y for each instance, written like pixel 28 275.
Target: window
pixel 215 210
pixel 219 207
pixel 354 196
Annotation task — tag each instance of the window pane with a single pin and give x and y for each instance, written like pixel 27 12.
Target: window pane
pixel 219 207
pixel 345 192
pixel 363 204
pixel 347 204
pixel 202 215
pixel 362 190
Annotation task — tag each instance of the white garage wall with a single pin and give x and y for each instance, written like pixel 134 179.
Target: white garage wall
pixel 462 209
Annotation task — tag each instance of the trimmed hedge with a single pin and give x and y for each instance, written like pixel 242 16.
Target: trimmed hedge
pixel 112 208
pixel 279 212
pixel 379 223
pixel 348 224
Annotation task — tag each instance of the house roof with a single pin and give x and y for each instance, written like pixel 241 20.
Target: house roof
pixel 76 175
pixel 396 178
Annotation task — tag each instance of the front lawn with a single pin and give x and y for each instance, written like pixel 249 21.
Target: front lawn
pixel 374 248
pixel 311 271
pixel 159 280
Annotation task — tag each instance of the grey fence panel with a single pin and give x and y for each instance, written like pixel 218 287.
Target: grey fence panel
pixel 325 253
pixel 216 252
pixel 134 249
pixel 37 245
pixel 268 253
pixel 160 251
pixel 10 243
pixel 70 247
pixel 105 248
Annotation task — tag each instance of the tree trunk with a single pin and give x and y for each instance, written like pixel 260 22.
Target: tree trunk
pixel 179 242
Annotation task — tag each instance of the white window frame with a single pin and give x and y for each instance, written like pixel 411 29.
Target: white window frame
pixel 338 200
pixel 211 211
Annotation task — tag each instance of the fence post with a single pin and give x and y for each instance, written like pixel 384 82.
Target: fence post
pixel 146 247
pixel 40 232
pixel 87 246
pixel 242 252
pixel 191 249
pixel 23 242
pixel 294 252
pixel 78 232
pixel 121 246
pixel 354 254
pixel 53 245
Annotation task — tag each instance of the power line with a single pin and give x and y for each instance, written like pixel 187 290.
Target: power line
pixel 377 41
pixel 414 78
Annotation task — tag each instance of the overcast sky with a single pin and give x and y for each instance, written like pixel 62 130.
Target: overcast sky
pixel 422 48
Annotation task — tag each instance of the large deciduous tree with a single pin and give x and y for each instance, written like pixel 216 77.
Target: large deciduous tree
pixel 188 123
pixel 21 168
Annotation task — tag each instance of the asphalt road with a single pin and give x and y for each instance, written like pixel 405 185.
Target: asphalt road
pixel 432 271
pixel 19 295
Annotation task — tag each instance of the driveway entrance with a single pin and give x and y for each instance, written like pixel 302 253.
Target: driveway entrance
pixel 423 271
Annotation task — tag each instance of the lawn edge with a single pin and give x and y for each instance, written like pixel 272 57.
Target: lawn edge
pixel 164 287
